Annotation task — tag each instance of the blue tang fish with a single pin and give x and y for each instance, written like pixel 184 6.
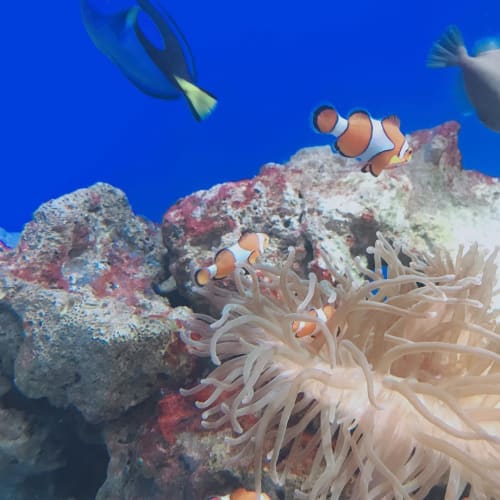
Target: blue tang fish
pixel 148 47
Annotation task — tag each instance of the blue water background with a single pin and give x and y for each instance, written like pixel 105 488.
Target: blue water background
pixel 69 117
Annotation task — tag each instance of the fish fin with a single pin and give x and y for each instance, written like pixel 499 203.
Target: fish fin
pixel 202 276
pixel 395 161
pixel 448 50
pixel 393 119
pixel 164 42
pixel 252 258
pixel 358 112
pixel 201 102
pixel 368 168
pixel 324 119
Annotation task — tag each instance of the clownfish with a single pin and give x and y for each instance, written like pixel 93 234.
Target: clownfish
pixel 306 328
pixel 248 249
pixel 241 494
pixel 378 143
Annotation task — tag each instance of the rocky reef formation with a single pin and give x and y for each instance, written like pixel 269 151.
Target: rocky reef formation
pixel 80 325
pixel 93 297
pixel 320 198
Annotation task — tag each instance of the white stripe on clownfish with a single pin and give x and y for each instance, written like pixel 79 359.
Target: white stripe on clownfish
pixel 379 141
pixel 404 148
pixel 303 328
pixel 340 126
pixel 379 144
pixel 241 255
pixel 246 250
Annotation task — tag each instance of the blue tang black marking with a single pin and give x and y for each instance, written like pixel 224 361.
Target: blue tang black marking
pixel 161 66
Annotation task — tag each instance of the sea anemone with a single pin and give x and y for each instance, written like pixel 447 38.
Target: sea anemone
pixel 397 392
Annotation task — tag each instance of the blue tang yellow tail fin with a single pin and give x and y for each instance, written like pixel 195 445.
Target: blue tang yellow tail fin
pixel 201 102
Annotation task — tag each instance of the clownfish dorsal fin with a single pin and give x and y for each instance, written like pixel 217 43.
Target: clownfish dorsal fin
pixel 394 119
pixel 358 112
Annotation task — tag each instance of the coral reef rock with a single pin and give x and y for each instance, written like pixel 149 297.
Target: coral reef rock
pixel 91 303
pixel 79 320
pixel 320 199
pixel 169 456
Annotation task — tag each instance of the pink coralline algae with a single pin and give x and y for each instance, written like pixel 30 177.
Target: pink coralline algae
pixel 55 247
pixel 177 414
pixel 212 213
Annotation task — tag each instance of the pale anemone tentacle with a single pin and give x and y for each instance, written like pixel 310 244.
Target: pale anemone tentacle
pixel 398 391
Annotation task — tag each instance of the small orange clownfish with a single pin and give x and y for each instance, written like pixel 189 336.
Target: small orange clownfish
pixel 306 328
pixel 241 494
pixel 378 143
pixel 248 249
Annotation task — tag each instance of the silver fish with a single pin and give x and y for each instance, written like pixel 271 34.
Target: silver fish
pixel 481 73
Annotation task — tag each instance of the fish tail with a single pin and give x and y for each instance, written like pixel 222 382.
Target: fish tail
pixel 324 119
pixel 449 50
pixel 202 276
pixel 201 102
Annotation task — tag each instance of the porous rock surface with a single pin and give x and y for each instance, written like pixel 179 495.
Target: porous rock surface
pixel 317 200
pixel 161 453
pixel 82 324
pixel 82 327
pixel 320 199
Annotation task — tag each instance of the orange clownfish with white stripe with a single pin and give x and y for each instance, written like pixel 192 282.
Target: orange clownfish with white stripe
pixel 241 494
pixel 248 249
pixel 378 143
pixel 306 328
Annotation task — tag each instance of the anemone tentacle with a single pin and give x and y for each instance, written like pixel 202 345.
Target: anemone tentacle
pixel 398 392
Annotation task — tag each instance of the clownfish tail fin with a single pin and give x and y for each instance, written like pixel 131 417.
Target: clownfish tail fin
pixel 324 119
pixel 202 276
pixel 449 50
